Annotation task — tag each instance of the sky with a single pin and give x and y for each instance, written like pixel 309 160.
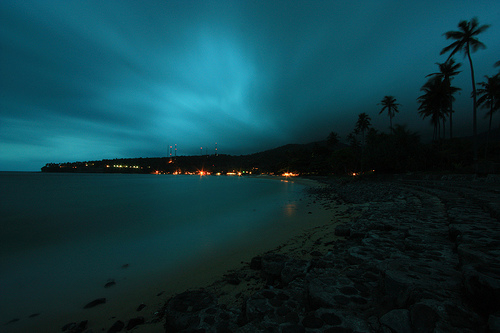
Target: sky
pixel 90 80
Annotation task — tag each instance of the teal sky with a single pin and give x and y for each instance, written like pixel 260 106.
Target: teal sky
pixel 86 80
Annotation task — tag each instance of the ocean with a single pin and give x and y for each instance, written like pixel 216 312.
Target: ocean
pixel 64 236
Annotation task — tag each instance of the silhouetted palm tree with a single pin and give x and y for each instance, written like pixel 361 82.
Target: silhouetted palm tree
pixel 433 103
pixel 447 70
pixel 489 97
pixel 466 41
pixel 362 125
pixel 389 103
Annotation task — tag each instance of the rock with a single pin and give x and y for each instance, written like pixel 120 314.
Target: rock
pixel 68 326
pixel 256 263
pixel 343 230
pixel 273 264
pixel 110 283
pixel 291 328
pixel 192 310
pixel 397 320
pixel 311 321
pixel 34 315
pixel 232 279
pixel 95 303
pixel 75 328
pixel 423 318
pixel 494 324
pixel 482 285
pixel 134 322
pixel 116 327
pixel 294 269
pixel 141 306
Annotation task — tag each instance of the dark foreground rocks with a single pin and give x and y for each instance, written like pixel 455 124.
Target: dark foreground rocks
pixel 422 256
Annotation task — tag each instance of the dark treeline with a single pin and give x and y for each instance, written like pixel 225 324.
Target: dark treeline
pixel 398 152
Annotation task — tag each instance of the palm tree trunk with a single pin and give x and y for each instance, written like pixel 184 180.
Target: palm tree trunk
pixel 489 130
pixel 390 119
pixel 451 122
pixel 444 128
pixel 474 111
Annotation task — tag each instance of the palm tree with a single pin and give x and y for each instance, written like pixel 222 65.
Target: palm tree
pixel 389 103
pixel 466 41
pixel 447 70
pixel 433 103
pixel 489 96
pixel 362 125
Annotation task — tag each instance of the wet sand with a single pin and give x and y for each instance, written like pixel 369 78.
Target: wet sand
pixel 313 219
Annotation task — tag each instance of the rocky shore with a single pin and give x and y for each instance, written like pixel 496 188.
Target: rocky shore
pixel 414 256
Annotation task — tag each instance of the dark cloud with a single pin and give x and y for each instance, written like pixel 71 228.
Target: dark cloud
pixel 85 80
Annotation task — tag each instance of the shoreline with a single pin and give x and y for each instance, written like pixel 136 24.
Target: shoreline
pixel 122 305
pixel 375 256
pixel 408 258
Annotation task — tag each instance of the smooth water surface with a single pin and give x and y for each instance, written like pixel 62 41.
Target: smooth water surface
pixel 64 235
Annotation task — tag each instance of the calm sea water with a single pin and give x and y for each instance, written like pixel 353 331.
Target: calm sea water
pixel 64 235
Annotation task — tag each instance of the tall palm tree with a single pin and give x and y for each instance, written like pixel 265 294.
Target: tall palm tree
pixel 489 97
pixel 362 125
pixel 466 41
pixel 447 70
pixel 433 103
pixel 389 103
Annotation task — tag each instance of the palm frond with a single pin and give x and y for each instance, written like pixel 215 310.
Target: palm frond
pixel 476 45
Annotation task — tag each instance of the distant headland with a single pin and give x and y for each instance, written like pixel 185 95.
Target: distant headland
pixel 400 152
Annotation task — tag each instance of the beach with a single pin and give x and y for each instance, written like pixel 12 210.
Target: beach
pixel 398 254
pixel 126 294
pixel 411 255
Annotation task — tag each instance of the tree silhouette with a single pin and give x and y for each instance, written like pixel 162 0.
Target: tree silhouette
pixel 447 70
pixel 389 103
pixel 333 139
pixel 433 103
pixel 362 125
pixel 467 42
pixel 489 96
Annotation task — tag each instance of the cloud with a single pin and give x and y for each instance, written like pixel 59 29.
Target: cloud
pixel 96 79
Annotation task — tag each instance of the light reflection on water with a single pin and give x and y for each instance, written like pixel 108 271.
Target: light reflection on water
pixel 290 209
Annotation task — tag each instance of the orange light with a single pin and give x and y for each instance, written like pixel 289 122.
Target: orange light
pixel 290 174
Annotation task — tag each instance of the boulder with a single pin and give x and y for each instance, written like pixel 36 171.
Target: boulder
pixel 423 318
pixel 273 264
pixel 397 320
